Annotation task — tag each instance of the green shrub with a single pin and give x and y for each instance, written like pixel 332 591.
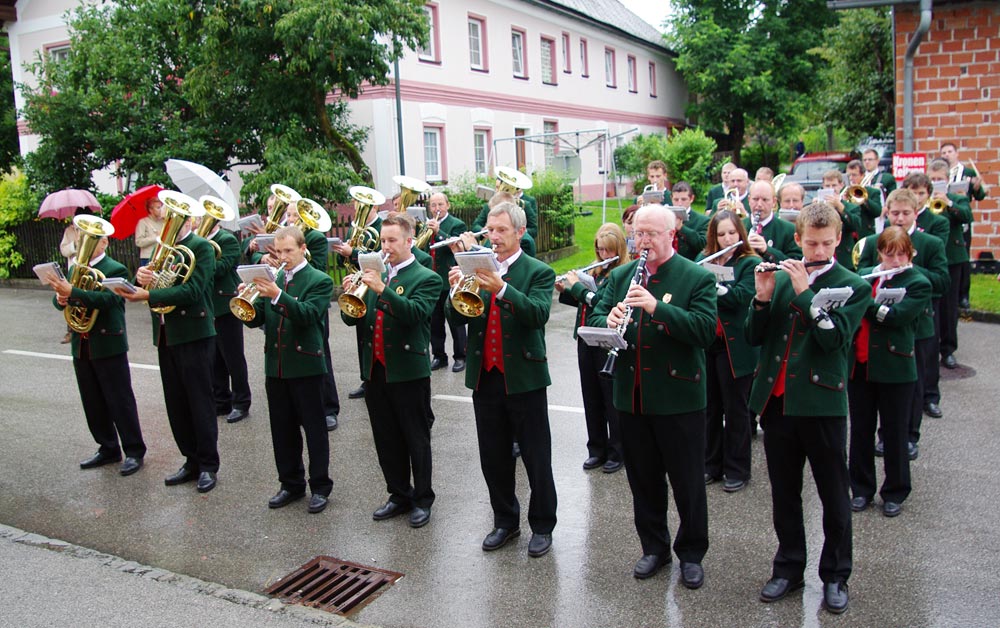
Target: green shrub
pixel 17 205
pixel 687 153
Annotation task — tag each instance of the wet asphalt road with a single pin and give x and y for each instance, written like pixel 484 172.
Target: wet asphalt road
pixel 936 565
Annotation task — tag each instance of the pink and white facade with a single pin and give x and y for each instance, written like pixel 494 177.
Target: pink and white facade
pixel 494 70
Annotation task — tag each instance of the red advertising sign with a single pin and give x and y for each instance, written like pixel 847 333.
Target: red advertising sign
pixel 905 163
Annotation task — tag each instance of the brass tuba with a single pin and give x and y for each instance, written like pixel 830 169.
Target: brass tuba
pixel 283 197
pixel 513 182
pixel 363 236
pixel 92 229
pixel 216 210
pixel 410 191
pixel 169 261
pixel 352 301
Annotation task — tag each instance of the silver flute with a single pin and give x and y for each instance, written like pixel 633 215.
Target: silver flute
pixel 610 260
pixel 454 239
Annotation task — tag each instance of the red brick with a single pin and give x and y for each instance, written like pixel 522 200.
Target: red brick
pixel 937 83
pixel 952 46
pixel 972 119
pixel 961 58
pixel 966 107
pixel 937 109
pixel 989 80
pixel 979 69
pixel 986 56
pixel 978 142
pixel 968 82
pixel 975 44
pixel 964 34
pixel 946 71
pixel 970 94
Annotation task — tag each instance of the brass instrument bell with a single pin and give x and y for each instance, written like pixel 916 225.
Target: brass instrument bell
pixel 92 229
pixel 366 199
pixel 216 210
pixel 169 261
pixel 464 297
pixel 283 197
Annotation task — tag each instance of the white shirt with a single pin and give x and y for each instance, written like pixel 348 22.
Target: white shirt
pixel 394 270
pixel 288 278
pixel 504 267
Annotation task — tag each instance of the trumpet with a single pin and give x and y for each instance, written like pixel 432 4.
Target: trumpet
pixel 92 229
pixel 600 264
pixel 464 297
pixel 171 262
pixel 937 205
pixel 771 267
pixel 856 194
pixel 216 210
pixel 454 239
pixel 352 301
pixel 242 305
pixel 640 270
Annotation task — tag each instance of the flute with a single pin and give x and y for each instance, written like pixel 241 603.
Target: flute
pixel 888 272
pixel 770 267
pixel 610 260
pixel 454 239
pixel 640 270
pixel 720 253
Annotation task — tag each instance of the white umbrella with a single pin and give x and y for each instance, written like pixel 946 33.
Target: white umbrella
pixel 196 180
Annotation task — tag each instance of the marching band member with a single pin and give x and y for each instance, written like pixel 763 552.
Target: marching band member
pixel 508 374
pixel 444 226
pixel 764 174
pixel 292 309
pixel 604 441
pixel 874 177
pixel 100 361
pixel 731 360
pixel 957 172
pixel 691 231
pixel 871 207
pixel 719 190
pixel 508 180
pixel 791 196
pixel 771 238
pixel 739 181
pixel 656 174
pixel 850 216
pixel 628 217
pixel 396 333
pixel 659 390
pixel 800 393
pixel 884 375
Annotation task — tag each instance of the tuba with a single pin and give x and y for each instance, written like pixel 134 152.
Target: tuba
pixel 364 237
pixel 283 197
pixel 242 304
pixel 410 191
pixel 352 301
pixel 311 215
pixel 169 261
pixel 216 210
pixel 513 182
pixel 92 229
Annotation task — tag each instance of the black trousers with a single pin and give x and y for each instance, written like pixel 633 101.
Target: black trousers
pixel 926 356
pixel 671 445
pixel 457 327
pixel 109 404
pixel 727 431
pixel 331 400
pixel 949 312
pixel 230 366
pixel 296 406
pixel 966 266
pixel 502 419
pixel 788 442
pixel 401 428
pixel 604 437
pixel 186 373
pixel 874 404
pixel 930 362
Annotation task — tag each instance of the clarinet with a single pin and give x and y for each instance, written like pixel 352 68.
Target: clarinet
pixel 640 270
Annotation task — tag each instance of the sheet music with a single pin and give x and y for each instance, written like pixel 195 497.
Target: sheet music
pixel 371 261
pixel 940 187
pixel 722 273
pixel 332 242
pixel 252 272
pixel 889 296
pixel 48 269
pixel 588 281
pixel 652 197
pixel 110 283
pixel 824 194
pixel 264 240
pixel 959 187
pixel 417 213
pixel 252 220
pixel 831 298
pixel 602 337
pixel 791 215
pixel 471 261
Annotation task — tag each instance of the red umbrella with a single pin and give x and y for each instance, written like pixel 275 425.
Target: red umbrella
pixel 64 203
pixel 131 210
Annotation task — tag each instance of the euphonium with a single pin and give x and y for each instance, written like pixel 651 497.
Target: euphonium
pixel 169 261
pixel 937 205
pixel 363 236
pixel 513 182
pixel 410 191
pixel 283 197
pixel 216 209
pixel 352 301
pixel 92 229
pixel 242 304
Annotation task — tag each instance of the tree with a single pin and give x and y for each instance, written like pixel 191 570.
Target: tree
pixel 856 87
pixel 221 83
pixel 9 145
pixel 746 60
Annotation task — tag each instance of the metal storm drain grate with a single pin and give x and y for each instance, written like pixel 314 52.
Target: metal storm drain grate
pixel 333 585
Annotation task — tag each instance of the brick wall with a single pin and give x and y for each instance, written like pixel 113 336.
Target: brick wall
pixel 956 96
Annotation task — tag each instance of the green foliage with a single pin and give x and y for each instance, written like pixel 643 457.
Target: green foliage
pixel 559 211
pixel 631 159
pixel 17 205
pixel 549 182
pixel 856 81
pixel 687 153
pixel 10 152
pixel 462 189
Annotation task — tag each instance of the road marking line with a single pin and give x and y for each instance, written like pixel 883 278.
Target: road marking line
pixel 469 400
pixel 55 356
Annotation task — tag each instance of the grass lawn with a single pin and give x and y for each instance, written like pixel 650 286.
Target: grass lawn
pixel 586 229
pixel 985 293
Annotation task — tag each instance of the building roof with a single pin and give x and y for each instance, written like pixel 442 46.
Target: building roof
pixel 611 13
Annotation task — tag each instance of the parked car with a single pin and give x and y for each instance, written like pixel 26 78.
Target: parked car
pixel 813 165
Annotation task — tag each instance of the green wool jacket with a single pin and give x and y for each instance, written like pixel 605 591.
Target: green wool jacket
pixel 530 213
pixel 934 224
pixel 818 359
pixel 890 341
pixel 714 193
pixel 780 237
pixel 423 258
pixel 319 249
pixel 226 280
pixel 980 194
pixel 959 214
pixel 665 357
pixel 293 327
pixel 851 229
pixel 583 300
pixel 871 209
pixel 444 259
pixel 108 337
pixel 732 314
pixel 691 235
pixel 193 316
pixel 524 310
pixel 930 261
pixel 406 305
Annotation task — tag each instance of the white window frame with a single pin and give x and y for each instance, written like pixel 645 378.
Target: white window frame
pixel 633 81
pixel 433 164
pixel 480 25
pixel 519 58
pixel 610 74
pixel 432 53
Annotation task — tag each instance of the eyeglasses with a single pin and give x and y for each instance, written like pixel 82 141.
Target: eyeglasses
pixel 652 235
pixel 601 249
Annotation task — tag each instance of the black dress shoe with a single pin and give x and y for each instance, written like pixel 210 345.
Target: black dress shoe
pixel 612 466
pixel 458 366
pixel 283 498
pixel 99 460
pixel 499 537
pixel 860 503
pixel 317 503
pixel 879 449
pixel 692 575
pixel 891 509
pixel 592 463
pixel 515 450
pixel 539 545
pixel 357 393
pixel 206 481
pixel 237 415
pixel 183 475
pixel 835 597
pixel 419 517
pixel 734 486
pixel 438 363
pixel 964 304
pixel 912 451
pixel 331 422
pixel 777 588
pixel 933 410
pixel 711 479
pixel 648 565
pixel 389 510
pixel 949 362
pixel 130 466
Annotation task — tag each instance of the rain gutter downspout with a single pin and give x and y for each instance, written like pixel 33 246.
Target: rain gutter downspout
pixel 911 51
